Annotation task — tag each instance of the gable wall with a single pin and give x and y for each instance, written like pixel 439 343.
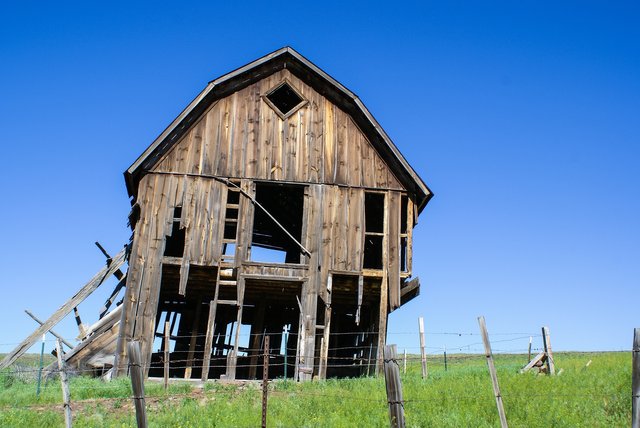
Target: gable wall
pixel 241 136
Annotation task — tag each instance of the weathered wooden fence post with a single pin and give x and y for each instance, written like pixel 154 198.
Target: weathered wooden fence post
pixel 167 343
pixel 445 358
pixel 423 355
pixel 530 341
pixel 635 380
pixel 404 363
pixel 65 385
pixel 265 381
pixel 394 387
pixel 546 341
pixel 44 337
pixel 137 383
pixel 492 372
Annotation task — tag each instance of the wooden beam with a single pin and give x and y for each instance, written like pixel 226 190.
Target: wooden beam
pixel 546 341
pixel 194 338
pixel 56 335
pixel 74 301
pixel 532 363
pixel 254 339
pixel 492 372
pixel 208 344
pixel 66 397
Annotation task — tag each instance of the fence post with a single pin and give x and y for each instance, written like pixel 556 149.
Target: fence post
pixel 394 387
pixel 423 356
pixel 404 364
pixel 445 358
pixel 167 343
pixel 265 381
pixel 546 341
pixel 44 336
pixel 530 340
pixel 65 386
pixel 492 372
pixel 137 383
pixel 635 380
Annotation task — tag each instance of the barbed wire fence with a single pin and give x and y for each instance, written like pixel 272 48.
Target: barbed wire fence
pixel 447 358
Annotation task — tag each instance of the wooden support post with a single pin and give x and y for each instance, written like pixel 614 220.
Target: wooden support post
pixel 65 386
pixel 551 367
pixel 382 319
pixel 137 383
pixel 44 337
pixel 255 337
pixel 492 372
pixel 265 381
pixel 394 387
pixel 324 342
pixel 56 335
pixel 445 358
pixel 193 340
pixel 233 363
pixel 360 291
pixel 167 343
pixel 208 343
pixel 635 380
pixel 423 355
pixel 74 301
pixel 530 340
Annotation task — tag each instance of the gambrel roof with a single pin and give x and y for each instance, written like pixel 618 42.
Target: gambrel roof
pixel 284 58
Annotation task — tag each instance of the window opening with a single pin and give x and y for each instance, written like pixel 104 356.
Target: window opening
pixel 285 100
pixel 286 204
pixel 374 230
pixel 404 236
pixel 174 245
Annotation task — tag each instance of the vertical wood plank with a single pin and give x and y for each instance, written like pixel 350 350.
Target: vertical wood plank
pixel 635 380
pixel 393 252
pixel 208 343
pixel 65 385
pixel 193 339
pixel 167 344
pixel 546 341
pixel 382 321
pixel 492 372
pixel 265 381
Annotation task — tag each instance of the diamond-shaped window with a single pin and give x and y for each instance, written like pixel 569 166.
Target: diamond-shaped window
pixel 284 99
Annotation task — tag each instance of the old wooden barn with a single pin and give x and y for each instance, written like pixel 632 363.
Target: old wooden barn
pixel 273 202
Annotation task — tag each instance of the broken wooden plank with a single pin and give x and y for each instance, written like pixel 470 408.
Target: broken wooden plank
pixel 82 294
pixel 533 362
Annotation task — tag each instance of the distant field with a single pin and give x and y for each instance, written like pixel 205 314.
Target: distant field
pixel 597 395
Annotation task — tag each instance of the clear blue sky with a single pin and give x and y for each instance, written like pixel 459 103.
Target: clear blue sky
pixel 523 117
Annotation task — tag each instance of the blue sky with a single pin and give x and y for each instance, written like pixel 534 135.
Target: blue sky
pixel 521 116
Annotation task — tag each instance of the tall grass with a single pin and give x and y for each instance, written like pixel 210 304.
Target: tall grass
pixel 462 396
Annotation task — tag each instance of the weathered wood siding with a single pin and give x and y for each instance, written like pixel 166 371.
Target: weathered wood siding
pixel 241 136
pixel 203 221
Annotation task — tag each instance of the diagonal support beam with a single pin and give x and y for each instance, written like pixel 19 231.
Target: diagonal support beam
pixel 67 307
pixel 56 335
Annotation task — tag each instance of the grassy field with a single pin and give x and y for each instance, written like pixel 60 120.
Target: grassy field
pixel 597 395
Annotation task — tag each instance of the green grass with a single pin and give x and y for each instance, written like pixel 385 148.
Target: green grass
pixel 593 396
